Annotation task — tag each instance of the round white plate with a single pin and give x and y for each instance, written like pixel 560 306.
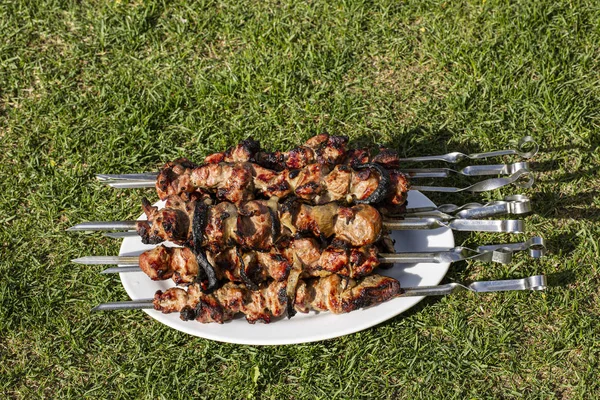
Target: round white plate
pixel 312 326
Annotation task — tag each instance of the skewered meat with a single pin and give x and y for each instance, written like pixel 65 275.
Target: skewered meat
pixel 257 224
pixel 320 149
pixel 180 264
pixel 332 293
pixel 318 183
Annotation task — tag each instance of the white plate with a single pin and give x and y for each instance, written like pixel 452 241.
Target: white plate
pixel 312 326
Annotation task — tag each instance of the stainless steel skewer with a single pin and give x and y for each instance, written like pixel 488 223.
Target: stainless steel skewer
pixel 500 253
pixel 472 170
pixel 521 178
pixel 536 282
pixel 455 157
pixel 457 224
pixel 514 204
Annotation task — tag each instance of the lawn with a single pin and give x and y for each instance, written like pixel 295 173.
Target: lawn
pixel 123 86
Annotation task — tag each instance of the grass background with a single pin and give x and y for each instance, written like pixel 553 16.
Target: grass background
pixel 122 86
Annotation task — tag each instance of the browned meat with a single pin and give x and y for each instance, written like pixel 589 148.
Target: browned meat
pixel 321 149
pixel 174 178
pixel 332 293
pixel 244 151
pixel 259 224
pixel 162 263
pixel 244 171
pixel 317 183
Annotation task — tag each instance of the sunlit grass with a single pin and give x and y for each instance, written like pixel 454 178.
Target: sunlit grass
pixel 122 86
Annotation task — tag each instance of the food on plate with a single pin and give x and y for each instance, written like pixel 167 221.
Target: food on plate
pixel 319 149
pixel 332 293
pixel 369 183
pixel 250 267
pixel 256 224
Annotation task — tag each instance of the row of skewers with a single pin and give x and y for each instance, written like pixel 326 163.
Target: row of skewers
pixel 269 233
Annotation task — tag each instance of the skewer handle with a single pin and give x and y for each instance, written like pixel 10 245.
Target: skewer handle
pixel 465 225
pixel 471 170
pixel 486 185
pixel 536 282
pixel 456 156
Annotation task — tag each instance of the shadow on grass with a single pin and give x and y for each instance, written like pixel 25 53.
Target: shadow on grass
pixel 560 279
pixel 577 206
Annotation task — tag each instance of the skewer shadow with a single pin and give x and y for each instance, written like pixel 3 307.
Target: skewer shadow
pixel 577 206
pixel 560 279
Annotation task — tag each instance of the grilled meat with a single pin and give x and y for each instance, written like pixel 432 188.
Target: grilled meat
pixel 180 264
pixel 317 183
pixel 320 149
pixel 258 224
pixel 332 293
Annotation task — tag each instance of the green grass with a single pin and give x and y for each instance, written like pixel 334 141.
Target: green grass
pixel 118 86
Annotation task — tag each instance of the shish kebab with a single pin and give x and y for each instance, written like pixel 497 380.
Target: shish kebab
pixel 180 264
pixel 320 171
pixel 259 224
pixel 332 293
pixel 368 183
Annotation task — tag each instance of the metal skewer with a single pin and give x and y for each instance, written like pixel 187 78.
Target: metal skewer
pixel 434 222
pixel 455 157
pixel 514 204
pixel 500 253
pixel 471 170
pixel 521 178
pixel 536 282
pixel 117 180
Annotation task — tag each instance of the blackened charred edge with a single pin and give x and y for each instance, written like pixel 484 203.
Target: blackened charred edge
pixel 294 173
pixel 252 146
pixel 199 224
pixel 383 187
pixel 185 163
pixel 187 313
pixel 290 205
pixel 275 225
pixel 145 231
pixel 289 302
pixel 146 203
pixel 215 311
pixel 249 284
pixel 311 186
pixel 271 160
pixel 211 276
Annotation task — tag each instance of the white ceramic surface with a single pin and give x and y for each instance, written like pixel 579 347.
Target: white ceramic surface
pixel 312 326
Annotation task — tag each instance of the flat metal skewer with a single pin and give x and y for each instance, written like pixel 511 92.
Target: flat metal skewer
pixel 457 224
pixel 146 178
pixel 521 178
pixel 471 170
pixel 514 204
pixel 455 157
pixel 536 282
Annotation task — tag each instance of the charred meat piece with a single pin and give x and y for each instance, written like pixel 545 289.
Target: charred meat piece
pixel 244 151
pixel 332 293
